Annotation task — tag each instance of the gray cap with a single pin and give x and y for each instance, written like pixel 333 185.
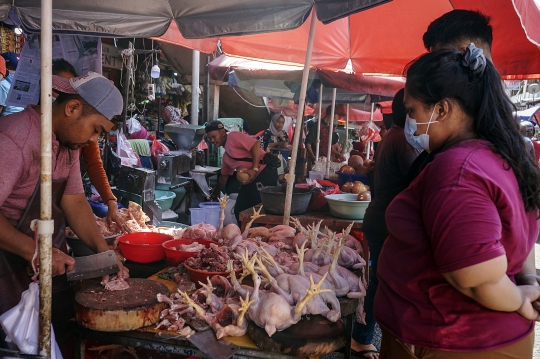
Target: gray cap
pixel 98 91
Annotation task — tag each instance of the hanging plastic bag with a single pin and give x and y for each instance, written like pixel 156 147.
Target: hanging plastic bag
pixel 133 125
pixel 127 156
pixel 156 149
pixel 21 324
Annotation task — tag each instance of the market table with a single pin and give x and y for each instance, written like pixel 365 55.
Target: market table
pixel 148 338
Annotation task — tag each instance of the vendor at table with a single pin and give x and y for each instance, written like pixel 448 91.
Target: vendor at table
pixel 91 156
pixel 81 112
pixel 242 153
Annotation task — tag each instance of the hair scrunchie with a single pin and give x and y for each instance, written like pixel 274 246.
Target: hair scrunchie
pixel 474 59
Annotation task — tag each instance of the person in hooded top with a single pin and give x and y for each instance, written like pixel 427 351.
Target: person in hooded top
pixel 275 136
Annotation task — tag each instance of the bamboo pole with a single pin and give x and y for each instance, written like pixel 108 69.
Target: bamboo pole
pixel 45 229
pixel 319 124
pixel 290 177
pixel 330 131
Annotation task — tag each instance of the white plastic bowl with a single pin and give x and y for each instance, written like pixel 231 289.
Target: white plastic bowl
pixel 346 206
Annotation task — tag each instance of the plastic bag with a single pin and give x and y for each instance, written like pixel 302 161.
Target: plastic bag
pixel 156 149
pixel 133 125
pixel 21 324
pixel 127 156
pixel 318 200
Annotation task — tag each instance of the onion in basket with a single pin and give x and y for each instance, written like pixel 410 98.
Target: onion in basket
pixel 347 169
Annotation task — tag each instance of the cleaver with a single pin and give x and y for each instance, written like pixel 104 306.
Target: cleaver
pixel 94 266
pixel 216 349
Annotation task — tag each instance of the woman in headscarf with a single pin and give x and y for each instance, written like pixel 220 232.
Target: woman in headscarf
pixel 275 136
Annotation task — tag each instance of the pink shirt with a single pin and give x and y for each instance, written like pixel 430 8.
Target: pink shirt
pixel 20 157
pixel 238 145
pixel 463 209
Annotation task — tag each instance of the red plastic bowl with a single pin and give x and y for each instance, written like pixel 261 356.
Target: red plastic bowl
pixel 143 247
pixel 197 276
pixel 175 257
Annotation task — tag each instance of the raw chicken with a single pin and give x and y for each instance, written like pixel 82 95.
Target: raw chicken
pixel 200 231
pixel 223 204
pixel 115 283
pixel 256 214
pixel 229 321
pixel 230 232
pixel 193 247
pixel 293 288
pixel 270 310
pixel 213 259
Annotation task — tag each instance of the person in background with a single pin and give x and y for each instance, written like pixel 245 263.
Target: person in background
pixel 12 61
pixel 275 136
pixel 172 114
pixel 393 158
pixel 459 278
pixel 244 154
pixel 92 157
pixel 188 117
pixel 454 30
pixel 526 128
pixel 311 138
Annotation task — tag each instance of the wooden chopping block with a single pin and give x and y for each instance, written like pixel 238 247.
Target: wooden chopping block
pixel 123 310
pixel 309 337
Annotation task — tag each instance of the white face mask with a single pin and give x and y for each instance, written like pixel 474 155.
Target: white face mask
pixel 421 141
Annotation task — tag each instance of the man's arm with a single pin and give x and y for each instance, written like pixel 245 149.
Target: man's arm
pixel 80 218
pixel 16 242
pixel 222 180
pixel 256 159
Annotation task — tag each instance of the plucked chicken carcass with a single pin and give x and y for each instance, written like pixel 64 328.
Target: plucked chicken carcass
pixel 270 310
pixel 200 231
pixel 293 287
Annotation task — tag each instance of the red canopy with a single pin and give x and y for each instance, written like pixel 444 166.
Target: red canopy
pixel 385 38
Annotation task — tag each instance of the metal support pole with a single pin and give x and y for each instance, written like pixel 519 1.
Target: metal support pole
pixel 347 128
pixel 319 124
pixel 290 177
pixel 195 87
pixel 158 116
pixel 215 114
pixel 206 92
pixel 128 80
pixel 330 132
pixel 45 234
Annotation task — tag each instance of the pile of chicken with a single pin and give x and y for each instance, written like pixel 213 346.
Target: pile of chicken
pixel 135 219
pixel 296 271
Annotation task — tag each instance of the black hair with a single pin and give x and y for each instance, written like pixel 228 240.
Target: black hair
pixel 441 75
pixel 61 65
pixel 87 110
pixel 457 26
pixel 329 111
pixel 399 113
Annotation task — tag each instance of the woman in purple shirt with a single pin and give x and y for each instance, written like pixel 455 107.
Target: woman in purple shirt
pixel 456 273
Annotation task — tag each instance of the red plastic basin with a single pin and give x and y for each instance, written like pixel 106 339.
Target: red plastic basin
pixel 197 276
pixel 175 257
pixel 143 247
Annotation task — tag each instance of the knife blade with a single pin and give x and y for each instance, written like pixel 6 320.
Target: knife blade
pixel 94 266
pixel 216 349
